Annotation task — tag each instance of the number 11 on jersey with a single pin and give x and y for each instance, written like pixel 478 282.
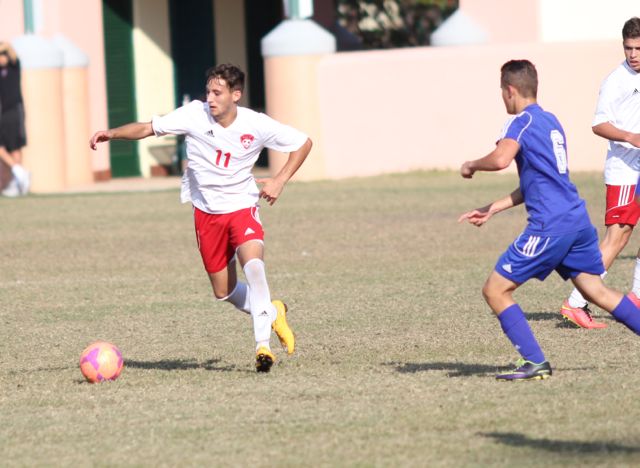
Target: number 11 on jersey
pixel 227 157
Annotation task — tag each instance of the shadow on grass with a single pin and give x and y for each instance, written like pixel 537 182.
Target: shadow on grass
pixel 183 364
pixel 543 316
pixel 456 369
pixel 459 369
pixel 557 317
pixel 626 257
pixel 558 446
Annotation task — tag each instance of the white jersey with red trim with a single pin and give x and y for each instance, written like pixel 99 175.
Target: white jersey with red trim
pixel 218 177
pixel 619 104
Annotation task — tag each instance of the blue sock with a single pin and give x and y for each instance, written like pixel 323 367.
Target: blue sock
pixel 627 313
pixel 514 324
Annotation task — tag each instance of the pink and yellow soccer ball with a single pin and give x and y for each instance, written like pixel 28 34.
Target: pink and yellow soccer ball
pixel 101 361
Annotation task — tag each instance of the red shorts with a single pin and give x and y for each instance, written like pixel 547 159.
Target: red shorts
pixel 622 207
pixel 220 235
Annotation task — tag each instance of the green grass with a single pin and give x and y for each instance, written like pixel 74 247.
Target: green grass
pixel 396 348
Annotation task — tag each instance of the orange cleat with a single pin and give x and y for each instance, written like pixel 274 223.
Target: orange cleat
pixel 635 299
pixel 580 316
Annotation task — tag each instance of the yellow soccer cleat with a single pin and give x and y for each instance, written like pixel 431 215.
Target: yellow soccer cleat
pixel 281 327
pixel 264 359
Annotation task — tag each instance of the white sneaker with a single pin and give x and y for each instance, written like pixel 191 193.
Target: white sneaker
pixel 12 190
pixel 23 178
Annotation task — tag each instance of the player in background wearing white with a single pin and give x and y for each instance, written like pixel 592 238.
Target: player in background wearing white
pixel 617 119
pixel 223 142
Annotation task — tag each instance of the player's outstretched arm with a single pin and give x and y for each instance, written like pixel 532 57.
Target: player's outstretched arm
pixel 479 216
pixel 272 186
pixel 611 132
pixel 130 131
pixel 500 158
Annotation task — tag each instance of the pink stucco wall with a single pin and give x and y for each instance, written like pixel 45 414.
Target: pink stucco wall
pixel 81 22
pixel 282 78
pixel 11 19
pixel 423 108
pixel 505 20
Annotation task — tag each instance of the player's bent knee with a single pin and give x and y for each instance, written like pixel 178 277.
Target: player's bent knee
pixel 222 292
pixel 497 292
pixel 491 293
pixel 221 295
pixel 486 292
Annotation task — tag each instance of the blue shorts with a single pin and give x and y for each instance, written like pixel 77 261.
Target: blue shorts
pixel 532 256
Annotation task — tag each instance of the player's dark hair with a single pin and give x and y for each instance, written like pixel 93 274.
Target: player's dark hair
pixel 631 29
pixel 522 75
pixel 232 75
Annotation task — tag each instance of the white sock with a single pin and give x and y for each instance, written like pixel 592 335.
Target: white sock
pixel 263 344
pixel 636 278
pixel 18 171
pixel 577 300
pixel 239 298
pixel 262 311
pixel 22 178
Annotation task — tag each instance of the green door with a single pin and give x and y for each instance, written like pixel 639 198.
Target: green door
pixel 192 46
pixel 261 16
pixel 121 97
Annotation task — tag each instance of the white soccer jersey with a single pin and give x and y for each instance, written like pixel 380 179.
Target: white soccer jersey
pixel 619 104
pixel 218 176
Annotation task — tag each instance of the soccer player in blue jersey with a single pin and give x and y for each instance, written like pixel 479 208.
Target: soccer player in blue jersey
pixel 559 235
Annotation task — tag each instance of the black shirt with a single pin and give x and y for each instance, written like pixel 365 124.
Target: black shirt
pixel 10 94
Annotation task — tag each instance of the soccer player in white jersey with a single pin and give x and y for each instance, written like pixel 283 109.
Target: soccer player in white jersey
pixel 617 120
pixel 223 142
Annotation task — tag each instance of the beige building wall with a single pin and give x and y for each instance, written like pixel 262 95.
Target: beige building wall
pixel 434 108
pixel 78 167
pixel 11 19
pixel 44 154
pixel 550 20
pixel 155 89
pixel 282 88
pixel 505 20
pixel 584 20
pixel 81 22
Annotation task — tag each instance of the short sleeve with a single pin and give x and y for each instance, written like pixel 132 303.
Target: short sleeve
pixel 176 122
pixel 516 126
pixel 280 137
pixel 604 108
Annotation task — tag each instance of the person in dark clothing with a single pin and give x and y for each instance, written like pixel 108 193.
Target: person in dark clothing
pixel 12 129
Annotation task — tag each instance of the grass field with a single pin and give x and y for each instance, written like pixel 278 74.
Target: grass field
pixel 396 348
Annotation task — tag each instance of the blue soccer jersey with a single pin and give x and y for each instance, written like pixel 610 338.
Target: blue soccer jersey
pixel 553 204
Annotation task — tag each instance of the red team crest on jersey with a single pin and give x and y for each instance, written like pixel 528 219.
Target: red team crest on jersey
pixel 246 140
